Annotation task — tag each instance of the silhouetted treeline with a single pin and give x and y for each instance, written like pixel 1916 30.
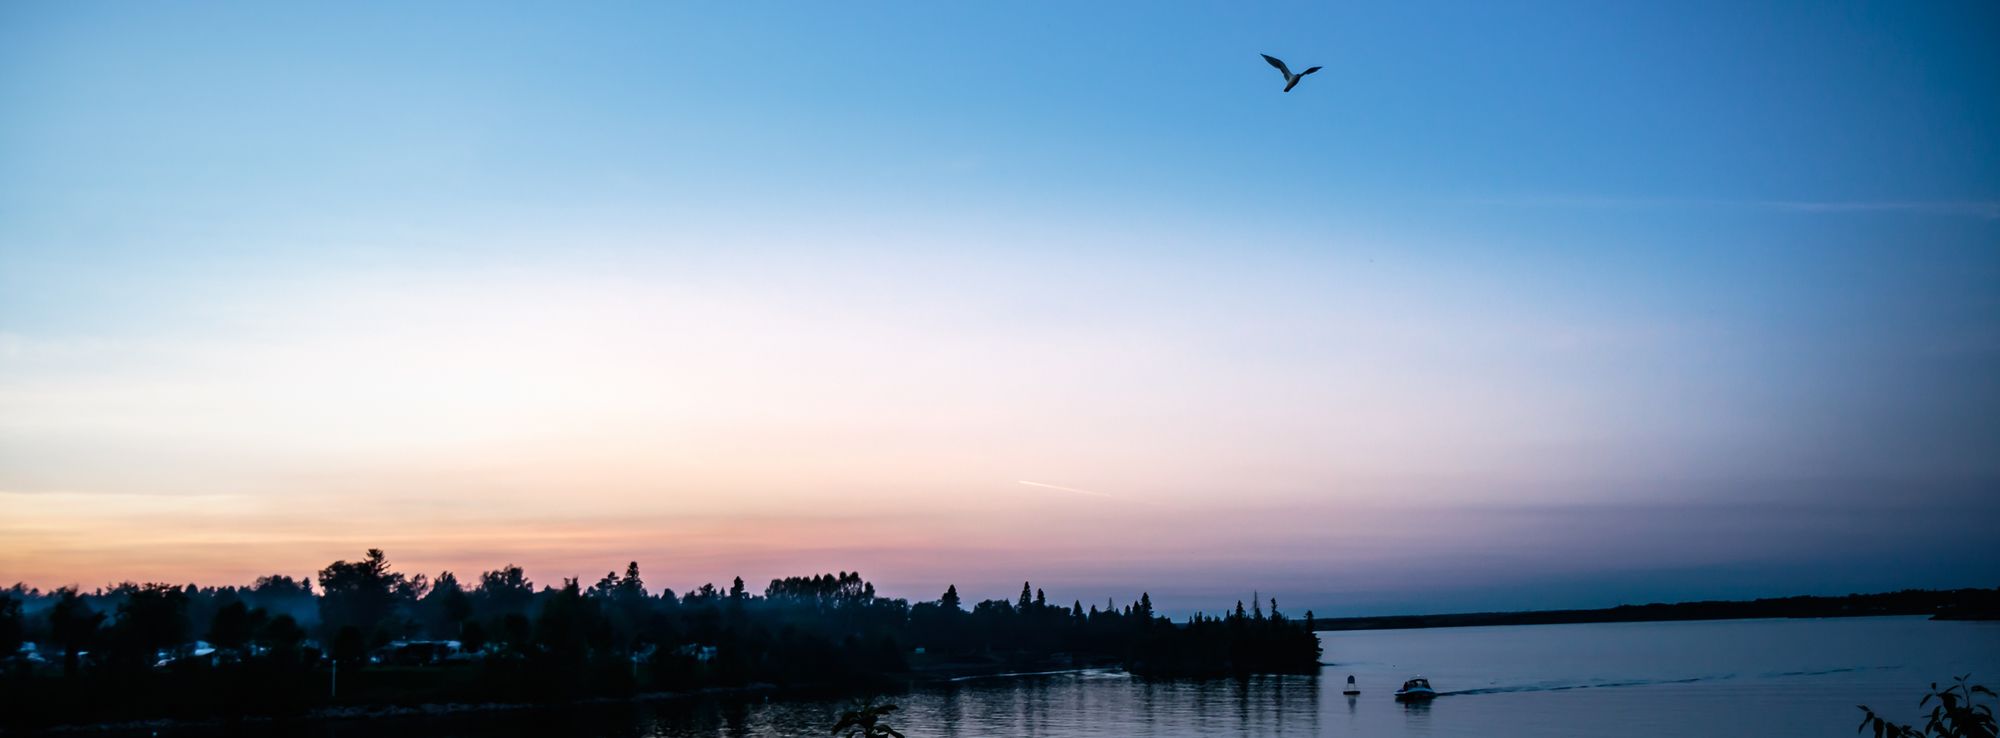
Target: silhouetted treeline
pixel 1233 644
pixel 1954 604
pixel 368 635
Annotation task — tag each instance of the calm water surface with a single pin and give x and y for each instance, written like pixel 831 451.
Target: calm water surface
pixel 1731 678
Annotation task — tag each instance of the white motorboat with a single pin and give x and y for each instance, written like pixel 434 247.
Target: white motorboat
pixel 1416 689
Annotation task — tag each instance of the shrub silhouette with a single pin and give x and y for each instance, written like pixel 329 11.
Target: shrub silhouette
pixel 1957 714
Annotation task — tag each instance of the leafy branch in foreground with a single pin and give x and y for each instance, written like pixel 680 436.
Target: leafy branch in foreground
pixel 1956 714
pixel 866 721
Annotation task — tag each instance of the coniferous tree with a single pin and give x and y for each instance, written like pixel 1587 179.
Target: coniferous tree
pixel 632 585
pixel 605 585
pixel 359 594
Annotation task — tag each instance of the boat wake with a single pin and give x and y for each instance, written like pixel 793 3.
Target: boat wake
pixel 1593 685
pixel 1824 671
pixel 1564 686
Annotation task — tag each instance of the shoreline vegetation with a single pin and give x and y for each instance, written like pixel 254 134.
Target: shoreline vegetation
pixel 392 710
pixel 360 639
pixel 1949 604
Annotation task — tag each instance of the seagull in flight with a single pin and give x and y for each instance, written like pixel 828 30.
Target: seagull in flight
pixel 1291 80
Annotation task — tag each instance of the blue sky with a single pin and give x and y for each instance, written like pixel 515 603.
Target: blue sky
pixel 1622 301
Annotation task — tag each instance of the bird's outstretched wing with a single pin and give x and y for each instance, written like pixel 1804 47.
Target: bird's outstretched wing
pixel 1309 71
pixel 1280 65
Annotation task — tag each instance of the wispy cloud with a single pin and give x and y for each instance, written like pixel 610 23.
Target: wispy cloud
pixel 1973 208
pixel 1068 489
pixel 1985 209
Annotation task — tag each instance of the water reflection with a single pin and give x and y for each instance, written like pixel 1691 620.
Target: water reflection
pixel 949 703
pixel 736 719
pixel 1116 704
pixel 1088 703
pixel 1417 717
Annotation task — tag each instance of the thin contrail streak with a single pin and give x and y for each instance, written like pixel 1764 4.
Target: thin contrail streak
pixel 1066 489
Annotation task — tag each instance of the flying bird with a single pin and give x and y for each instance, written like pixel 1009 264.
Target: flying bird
pixel 1291 80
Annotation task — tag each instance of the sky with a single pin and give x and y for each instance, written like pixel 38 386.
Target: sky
pixel 1535 306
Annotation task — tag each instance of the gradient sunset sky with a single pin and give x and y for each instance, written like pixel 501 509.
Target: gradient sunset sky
pixel 1544 305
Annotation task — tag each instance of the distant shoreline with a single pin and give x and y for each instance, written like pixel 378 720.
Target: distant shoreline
pixel 1954 604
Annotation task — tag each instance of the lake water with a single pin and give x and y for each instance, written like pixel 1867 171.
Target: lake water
pixel 1767 678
